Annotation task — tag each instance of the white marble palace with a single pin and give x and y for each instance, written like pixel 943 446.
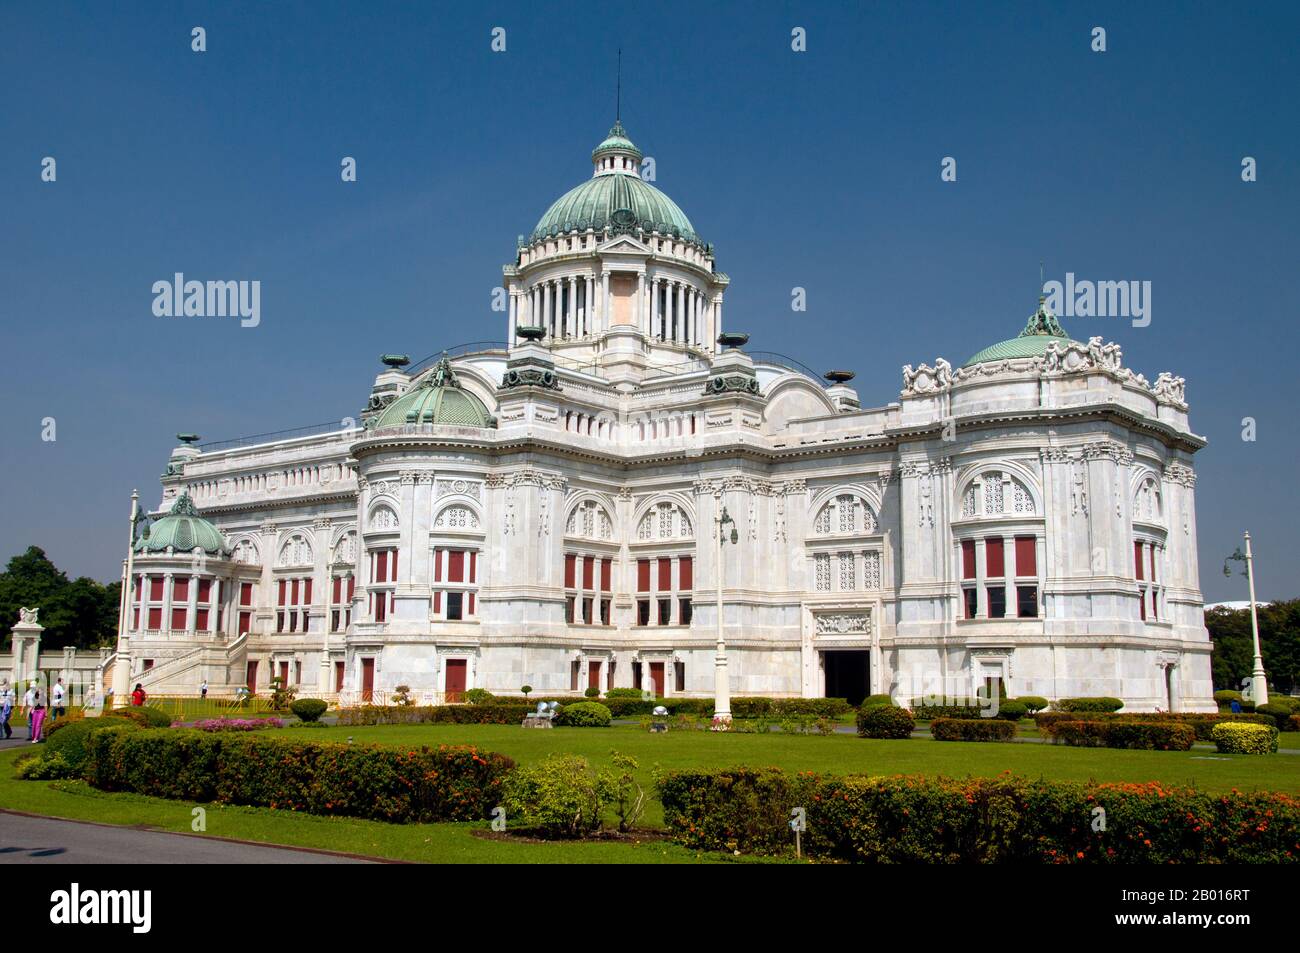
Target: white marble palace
pixel 544 511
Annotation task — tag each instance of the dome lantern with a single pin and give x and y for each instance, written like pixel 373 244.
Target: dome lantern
pixel 617 155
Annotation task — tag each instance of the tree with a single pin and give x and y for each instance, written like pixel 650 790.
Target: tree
pixel 1234 652
pixel 80 613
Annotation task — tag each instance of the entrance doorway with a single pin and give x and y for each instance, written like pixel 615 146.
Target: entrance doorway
pixel 593 674
pixel 338 676
pixel 250 677
pixel 848 675
pixel 455 679
pixel 367 680
pixel 657 678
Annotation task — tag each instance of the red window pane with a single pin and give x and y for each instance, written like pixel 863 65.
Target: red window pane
pixel 471 603
pixel 643 575
pixel 1026 556
pixel 1153 571
pixel 570 575
pixel 456 565
pixel 306 592
pixel 337 590
pixel 437 602
pixel 381 566
pixel 205 591
pixel 293 597
pixel 1137 560
pixel 178 619
pixel 155 618
pixel 588 572
pixel 994 564
pixel 181 590
pixel 135 619
pixel 473 568
pixel 606 571
pixel 246 594
pixel 968 559
pixel 392 569
pixel 155 588
pixel 686 573
pixel 245 622
pixel 352 587
pixel 201 619
pixel 665 575
pixel 281 587
pixel 437 565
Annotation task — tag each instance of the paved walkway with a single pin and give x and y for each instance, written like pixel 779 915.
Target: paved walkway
pixel 25 839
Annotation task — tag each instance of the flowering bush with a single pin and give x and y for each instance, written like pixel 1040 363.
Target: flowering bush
pixel 237 724
pixel 1201 723
pixel 399 785
pixel 976 820
pixel 1245 739
pixel 1150 736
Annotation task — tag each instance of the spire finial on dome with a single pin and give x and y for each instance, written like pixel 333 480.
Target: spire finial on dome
pixel 618 91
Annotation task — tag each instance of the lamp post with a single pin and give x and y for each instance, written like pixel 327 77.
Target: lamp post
pixel 721 690
pixel 1258 680
pixel 122 664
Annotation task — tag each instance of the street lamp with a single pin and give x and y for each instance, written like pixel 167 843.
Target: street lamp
pixel 1258 681
pixel 721 690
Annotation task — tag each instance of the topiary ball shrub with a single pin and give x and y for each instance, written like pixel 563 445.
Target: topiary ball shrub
pixel 1033 703
pixel 592 692
pixel 873 700
pixel 1226 697
pixel 69 742
pixel 884 721
pixel 145 716
pixel 309 709
pixel 1239 737
pixel 584 715
pixel 1011 709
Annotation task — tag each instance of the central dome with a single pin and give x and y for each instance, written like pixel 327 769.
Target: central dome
pixel 616 198
pixel 438 399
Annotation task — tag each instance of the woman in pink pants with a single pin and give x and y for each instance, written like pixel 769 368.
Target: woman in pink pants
pixel 38 716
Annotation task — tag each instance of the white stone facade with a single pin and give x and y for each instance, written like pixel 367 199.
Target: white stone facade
pixel 575 537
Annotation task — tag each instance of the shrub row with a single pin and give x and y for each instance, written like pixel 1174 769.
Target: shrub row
pixel 972 729
pixel 1245 739
pixel 368 781
pixel 624 705
pixel 1009 709
pixel 884 721
pixel 1098 703
pixel 1148 736
pixel 1201 722
pixel 976 820
pixel 502 714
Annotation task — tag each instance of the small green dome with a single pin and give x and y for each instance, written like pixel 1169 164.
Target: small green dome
pixel 182 530
pixel 1042 330
pixel 616 198
pixel 438 399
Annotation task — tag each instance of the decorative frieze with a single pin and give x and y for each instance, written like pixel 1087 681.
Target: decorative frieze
pixel 842 623
pixel 926 379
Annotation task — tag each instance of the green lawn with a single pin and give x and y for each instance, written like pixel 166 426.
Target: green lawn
pixel 841 754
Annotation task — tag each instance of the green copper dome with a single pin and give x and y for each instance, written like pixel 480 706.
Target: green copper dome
pixel 1042 330
pixel 438 399
pixel 182 530
pixel 615 198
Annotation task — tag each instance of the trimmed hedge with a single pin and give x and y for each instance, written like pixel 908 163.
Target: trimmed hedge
pixel 975 820
pixel 1098 703
pixel 1202 722
pixel 1245 739
pixel 1147 736
pixel 583 715
pixel 398 785
pixel 69 742
pixel 145 716
pixel 972 729
pixel 1009 709
pixel 884 721
pixel 1280 713
pixel 435 714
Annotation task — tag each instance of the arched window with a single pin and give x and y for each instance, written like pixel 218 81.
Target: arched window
pixel 664 521
pixel 457 517
pixel 296 551
pixel 1146 502
pixel 246 552
pixel 845 513
pixel 590 520
pixel 996 493
pixel 382 518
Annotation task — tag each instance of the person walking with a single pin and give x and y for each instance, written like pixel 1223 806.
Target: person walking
pixel 6 710
pixel 58 701
pixel 139 695
pixel 29 706
pixel 203 690
pixel 37 714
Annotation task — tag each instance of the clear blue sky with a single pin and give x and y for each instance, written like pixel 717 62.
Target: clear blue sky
pixel 818 169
